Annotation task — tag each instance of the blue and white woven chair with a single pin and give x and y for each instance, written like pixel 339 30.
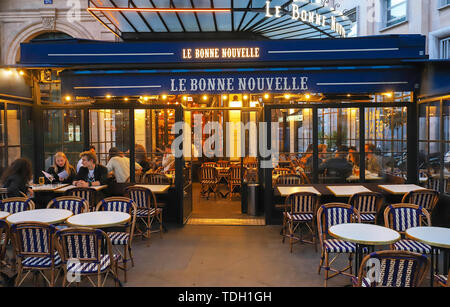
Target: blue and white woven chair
pixel 121 238
pixel 368 204
pixel 86 252
pixel 72 203
pixel 16 204
pixel 392 269
pixel 329 215
pixel 88 194
pixel 401 217
pixel 442 280
pixel 35 251
pixel 4 238
pixel 425 198
pixel 147 209
pixel 300 209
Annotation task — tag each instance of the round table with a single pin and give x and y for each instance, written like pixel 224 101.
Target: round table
pixel 438 238
pixel 49 216
pixel 99 219
pixel 4 214
pixel 364 235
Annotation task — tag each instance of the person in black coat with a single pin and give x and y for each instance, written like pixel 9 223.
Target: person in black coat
pixel 61 171
pixel 91 173
pixel 337 168
pixel 16 178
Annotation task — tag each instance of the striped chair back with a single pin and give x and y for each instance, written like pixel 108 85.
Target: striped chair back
pixel 367 202
pixel 156 179
pixel 235 174
pixel 289 179
pixel 171 172
pixel 142 197
pixel 16 204
pixel 88 194
pixel 33 239
pixel 208 173
pixel 117 204
pixel 3 193
pixel 303 202
pixel 424 198
pixel 281 171
pixel 72 203
pixel 4 237
pixel 396 269
pixel 332 214
pixel 82 244
pixel 401 217
pixel 211 164
pixel 433 183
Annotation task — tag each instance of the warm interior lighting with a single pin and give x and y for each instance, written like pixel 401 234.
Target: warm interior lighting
pixel 126 99
pixel 307 96
pixel 108 96
pixel 245 97
pixel 224 97
pixel 266 96
pixel 348 95
pixel 68 98
pixel 205 97
pixel 21 72
pixel 159 10
pixel 164 97
pixel 145 98
pixel 185 98
pixel 287 96
pixel 389 94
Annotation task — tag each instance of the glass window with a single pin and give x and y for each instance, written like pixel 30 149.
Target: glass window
pixel 396 12
pixel 445 48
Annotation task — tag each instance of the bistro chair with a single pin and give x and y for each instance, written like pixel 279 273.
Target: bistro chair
pixel 223 163
pixel 329 215
pixel 433 183
pixel 156 179
pixel 86 252
pixel 16 204
pixel 235 179
pixel 401 217
pixel 88 194
pixel 393 269
pixel 121 238
pixel 3 193
pixel 442 280
pixel 289 180
pixel 35 251
pixel 425 198
pixel 4 238
pixel 368 204
pixel 224 171
pixel 72 203
pixel 281 171
pixel 300 209
pixel 209 180
pixel 147 210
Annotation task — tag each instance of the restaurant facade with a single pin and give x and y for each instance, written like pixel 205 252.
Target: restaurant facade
pixel 284 98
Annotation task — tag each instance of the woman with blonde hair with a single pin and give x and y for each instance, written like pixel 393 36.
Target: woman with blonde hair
pixel 61 171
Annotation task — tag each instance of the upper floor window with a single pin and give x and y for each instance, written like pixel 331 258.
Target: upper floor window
pixel 445 48
pixel 396 11
pixel 443 3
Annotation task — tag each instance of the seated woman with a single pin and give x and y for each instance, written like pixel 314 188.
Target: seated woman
pixel 91 173
pixel 141 158
pixel 16 178
pixel 61 171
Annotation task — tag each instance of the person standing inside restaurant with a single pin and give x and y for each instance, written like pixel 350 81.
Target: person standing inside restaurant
pixel 119 165
pixel 373 164
pixel 61 171
pixel 80 162
pixel 91 173
pixel 17 177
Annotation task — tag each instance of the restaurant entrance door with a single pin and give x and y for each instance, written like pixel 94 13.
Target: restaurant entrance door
pixel 223 155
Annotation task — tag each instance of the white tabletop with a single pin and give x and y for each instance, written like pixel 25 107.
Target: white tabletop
pixel 47 187
pixel 68 187
pixel 401 188
pixel 367 234
pixel 286 191
pixel 347 190
pixel 434 236
pixel 369 177
pixel 155 188
pixel 4 214
pixel 99 219
pixel 49 216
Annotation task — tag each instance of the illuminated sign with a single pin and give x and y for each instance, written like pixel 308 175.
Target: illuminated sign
pixel 221 53
pixel 310 17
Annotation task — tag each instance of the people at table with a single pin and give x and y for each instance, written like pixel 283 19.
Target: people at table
pixel 306 160
pixel 337 167
pixel 61 171
pixel 80 162
pixel 373 163
pixel 353 158
pixel 119 165
pixel 91 173
pixel 168 160
pixel 16 178
pixel 323 152
pixel 141 157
